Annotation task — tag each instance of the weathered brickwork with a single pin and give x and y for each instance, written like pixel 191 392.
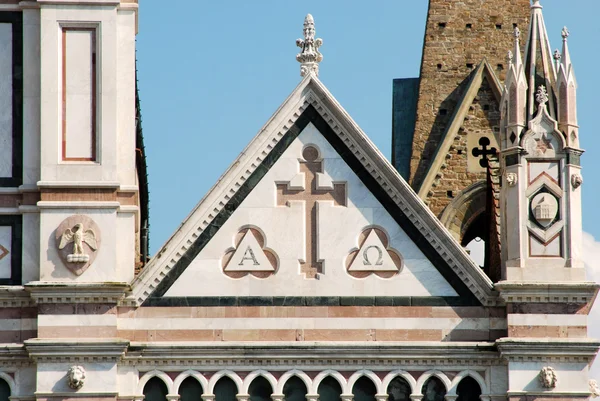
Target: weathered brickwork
pixel 459 35
pixel 483 118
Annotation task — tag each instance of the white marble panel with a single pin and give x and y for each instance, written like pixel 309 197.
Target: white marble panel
pixel 100 377
pixel 6 95
pixel 79 96
pixel 5 251
pixel 285 233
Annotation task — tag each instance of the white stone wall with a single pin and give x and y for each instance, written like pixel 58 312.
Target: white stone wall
pixel 284 227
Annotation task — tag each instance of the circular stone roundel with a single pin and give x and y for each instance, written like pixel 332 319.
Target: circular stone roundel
pixel 77 242
pixel 544 207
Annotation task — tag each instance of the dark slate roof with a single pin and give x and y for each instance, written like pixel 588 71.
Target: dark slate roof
pixel 404 115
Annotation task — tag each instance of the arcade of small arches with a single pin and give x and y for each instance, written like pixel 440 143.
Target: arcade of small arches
pixel 329 385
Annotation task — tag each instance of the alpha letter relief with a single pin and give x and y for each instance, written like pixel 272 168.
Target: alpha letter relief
pixel 249 255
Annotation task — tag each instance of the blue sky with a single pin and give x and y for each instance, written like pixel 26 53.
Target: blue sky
pixel 212 72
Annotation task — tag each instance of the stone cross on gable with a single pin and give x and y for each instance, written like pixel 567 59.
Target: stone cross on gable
pixel 311 266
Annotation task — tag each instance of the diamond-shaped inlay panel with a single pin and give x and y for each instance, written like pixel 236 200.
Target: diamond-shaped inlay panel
pixel 3 252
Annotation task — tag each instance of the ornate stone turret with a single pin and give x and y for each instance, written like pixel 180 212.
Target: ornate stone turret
pixel 309 57
pixel 541 201
pixel 567 92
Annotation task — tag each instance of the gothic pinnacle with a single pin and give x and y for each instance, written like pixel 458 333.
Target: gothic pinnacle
pixel 309 57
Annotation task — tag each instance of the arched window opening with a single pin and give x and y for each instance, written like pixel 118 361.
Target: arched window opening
pixel 329 390
pixel 225 390
pixel 475 239
pixel 190 390
pixel 294 389
pixel 260 389
pixel 364 389
pixel 433 390
pixel 155 390
pixel 4 390
pixel 398 390
pixel 468 390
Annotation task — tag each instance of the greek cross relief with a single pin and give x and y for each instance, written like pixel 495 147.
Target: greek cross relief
pixel 373 256
pixel 249 255
pixel 78 242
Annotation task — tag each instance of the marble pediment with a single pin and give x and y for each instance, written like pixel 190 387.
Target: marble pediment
pixel 317 213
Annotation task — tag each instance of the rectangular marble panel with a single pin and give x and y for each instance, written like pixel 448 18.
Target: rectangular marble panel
pixel 6 98
pixel 79 94
pixel 5 251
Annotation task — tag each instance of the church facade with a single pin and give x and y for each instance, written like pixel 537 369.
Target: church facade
pixel 372 295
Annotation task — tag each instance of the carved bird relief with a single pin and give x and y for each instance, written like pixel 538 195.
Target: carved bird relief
pixel 78 236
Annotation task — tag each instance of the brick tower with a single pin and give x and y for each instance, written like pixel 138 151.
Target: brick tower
pixel 446 123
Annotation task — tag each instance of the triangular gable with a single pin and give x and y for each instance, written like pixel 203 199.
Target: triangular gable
pixel 482 71
pixel 311 103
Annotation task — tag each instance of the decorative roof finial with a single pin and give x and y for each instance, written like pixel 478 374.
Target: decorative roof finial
pixel 557 55
pixel 509 57
pixel 541 96
pixel 565 33
pixel 309 57
pixel 536 4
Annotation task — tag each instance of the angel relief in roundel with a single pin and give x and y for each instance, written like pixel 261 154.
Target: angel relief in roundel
pixel 78 241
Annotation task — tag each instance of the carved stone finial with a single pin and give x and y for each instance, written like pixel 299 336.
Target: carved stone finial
pixel 309 57
pixel 557 55
pixel 565 33
pixel 76 377
pixel 548 377
pixel 517 33
pixel 542 95
pixel 536 4
pixel 509 57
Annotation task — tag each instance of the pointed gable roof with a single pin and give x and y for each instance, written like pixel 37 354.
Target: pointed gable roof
pixel 483 70
pixel 312 102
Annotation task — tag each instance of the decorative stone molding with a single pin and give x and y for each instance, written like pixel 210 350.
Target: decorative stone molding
pixel 548 349
pixel 76 377
pixel 511 179
pixel 581 293
pixel 213 356
pixel 91 293
pixel 312 397
pixel 208 397
pixel 14 297
pixel 576 181
pixel 347 397
pixel 242 397
pixel 80 350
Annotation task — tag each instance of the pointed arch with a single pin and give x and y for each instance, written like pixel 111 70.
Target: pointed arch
pixel 10 381
pixel 189 373
pixel 222 373
pixel 253 375
pixel 289 374
pixel 366 373
pixel 154 373
pixel 399 373
pixel 430 373
pixel 476 376
pixel 329 372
